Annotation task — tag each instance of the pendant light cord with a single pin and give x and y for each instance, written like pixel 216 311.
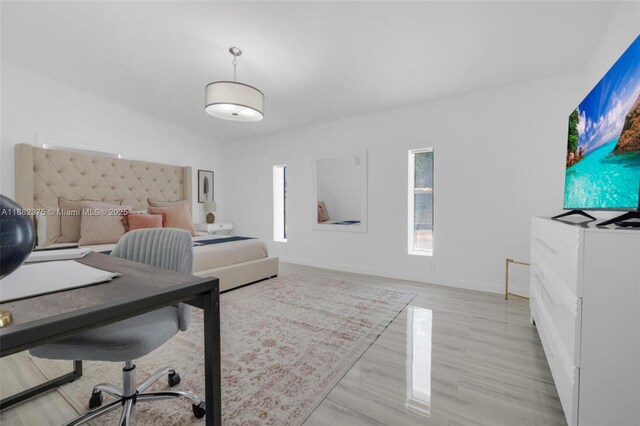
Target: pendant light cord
pixel 235 64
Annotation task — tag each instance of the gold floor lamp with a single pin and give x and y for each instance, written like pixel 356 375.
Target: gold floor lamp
pixel 506 278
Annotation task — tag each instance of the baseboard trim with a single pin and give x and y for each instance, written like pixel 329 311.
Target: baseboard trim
pixel 434 279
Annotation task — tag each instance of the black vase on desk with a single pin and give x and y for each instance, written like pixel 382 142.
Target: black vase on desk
pixel 17 236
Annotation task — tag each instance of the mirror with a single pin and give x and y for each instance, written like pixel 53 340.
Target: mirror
pixel 340 187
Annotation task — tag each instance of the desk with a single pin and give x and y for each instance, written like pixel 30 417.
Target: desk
pixel 140 289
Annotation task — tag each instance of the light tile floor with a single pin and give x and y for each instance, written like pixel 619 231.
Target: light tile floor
pixel 452 357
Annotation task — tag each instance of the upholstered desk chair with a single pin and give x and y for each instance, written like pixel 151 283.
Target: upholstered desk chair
pixel 130 339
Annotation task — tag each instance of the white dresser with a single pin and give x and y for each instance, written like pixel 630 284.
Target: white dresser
pixel 585 302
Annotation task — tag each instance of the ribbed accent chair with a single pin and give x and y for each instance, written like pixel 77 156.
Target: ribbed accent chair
pixel 133 338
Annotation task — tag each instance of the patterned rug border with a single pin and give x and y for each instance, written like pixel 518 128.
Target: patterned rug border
pixel 354 357
pixel 349 366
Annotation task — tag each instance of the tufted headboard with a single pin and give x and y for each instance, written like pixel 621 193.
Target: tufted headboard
pixel 43 175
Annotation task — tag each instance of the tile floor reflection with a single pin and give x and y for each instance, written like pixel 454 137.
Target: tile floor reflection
pixel 419 360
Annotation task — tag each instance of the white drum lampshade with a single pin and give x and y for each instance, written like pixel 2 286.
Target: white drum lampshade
pixel 230 100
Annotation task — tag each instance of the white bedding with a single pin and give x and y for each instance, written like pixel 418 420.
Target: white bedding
pixel 210 256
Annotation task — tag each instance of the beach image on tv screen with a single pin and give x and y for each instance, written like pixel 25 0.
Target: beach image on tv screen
pixel 603 146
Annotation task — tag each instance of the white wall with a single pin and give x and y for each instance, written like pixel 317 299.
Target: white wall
pixel 499 159
pixel 621 32
pixel 36 107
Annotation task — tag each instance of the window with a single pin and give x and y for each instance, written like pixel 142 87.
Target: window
pixel 280 203
pixel 420 202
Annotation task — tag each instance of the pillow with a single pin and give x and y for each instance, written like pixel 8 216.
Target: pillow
pixel 177 217
pixel 47 228
pixel 323 214
pixel 101 222
pixel 71 217
pixel 158 203
pixel 133 221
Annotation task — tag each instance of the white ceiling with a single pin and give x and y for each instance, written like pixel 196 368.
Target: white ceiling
pixel 315 61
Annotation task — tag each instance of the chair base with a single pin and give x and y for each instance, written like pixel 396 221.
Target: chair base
pixel 130 395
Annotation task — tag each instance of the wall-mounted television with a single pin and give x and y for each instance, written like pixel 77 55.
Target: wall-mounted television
pixel 603 145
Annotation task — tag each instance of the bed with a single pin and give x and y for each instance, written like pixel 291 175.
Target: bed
pixel 44 175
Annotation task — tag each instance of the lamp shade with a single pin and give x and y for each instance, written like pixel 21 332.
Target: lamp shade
pixel 209 206
pixel 230 100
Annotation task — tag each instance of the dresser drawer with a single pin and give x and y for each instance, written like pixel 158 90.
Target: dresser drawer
pixel 562 312
pixel 565 377
pixel 556 248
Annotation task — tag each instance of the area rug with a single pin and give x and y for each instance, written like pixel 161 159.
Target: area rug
pixel 286 343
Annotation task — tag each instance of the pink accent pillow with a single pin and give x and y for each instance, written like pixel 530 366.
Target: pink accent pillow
pixel 323 214
pixel 134 221
pixel 176 217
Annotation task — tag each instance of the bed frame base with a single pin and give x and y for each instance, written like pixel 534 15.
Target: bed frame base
pixel 240 274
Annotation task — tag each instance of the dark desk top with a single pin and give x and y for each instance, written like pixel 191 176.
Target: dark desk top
pixel 141 288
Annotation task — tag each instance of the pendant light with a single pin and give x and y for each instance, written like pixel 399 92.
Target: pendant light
pixel 234 101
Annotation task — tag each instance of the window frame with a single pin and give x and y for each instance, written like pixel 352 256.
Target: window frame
pixel 411 250
pixel 280 203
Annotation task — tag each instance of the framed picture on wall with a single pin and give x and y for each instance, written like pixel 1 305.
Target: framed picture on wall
pixel 205 186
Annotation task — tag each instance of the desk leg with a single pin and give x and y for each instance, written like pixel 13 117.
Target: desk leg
pixel 44 387
pixel 212 378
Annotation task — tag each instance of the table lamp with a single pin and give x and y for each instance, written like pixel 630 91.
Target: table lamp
pixel 209 209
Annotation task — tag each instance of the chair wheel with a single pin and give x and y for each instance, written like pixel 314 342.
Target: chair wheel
pixel 174 378
pixel 96 399
pixel 199 410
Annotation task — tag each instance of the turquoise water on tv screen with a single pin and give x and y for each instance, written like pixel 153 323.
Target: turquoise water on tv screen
pixel 603 180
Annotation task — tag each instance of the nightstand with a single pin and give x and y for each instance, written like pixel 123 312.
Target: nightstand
pixel 215 228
